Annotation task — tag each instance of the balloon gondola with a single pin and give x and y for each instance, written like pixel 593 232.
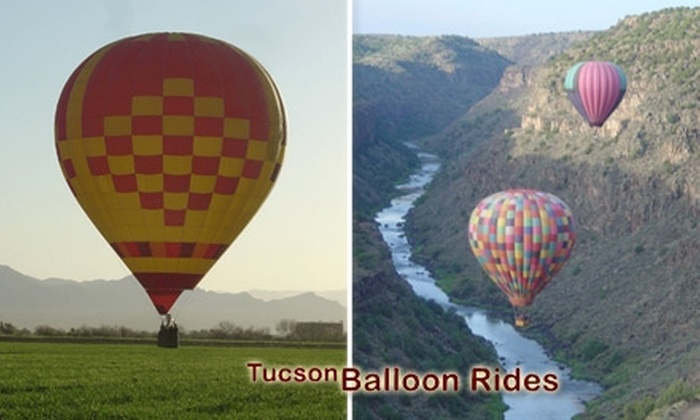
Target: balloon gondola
pixel 170 142
pixel 522 239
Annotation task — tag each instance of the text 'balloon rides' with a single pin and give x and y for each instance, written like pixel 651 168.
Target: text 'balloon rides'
pixel 595 88
pixel 521 238
pixel 170 142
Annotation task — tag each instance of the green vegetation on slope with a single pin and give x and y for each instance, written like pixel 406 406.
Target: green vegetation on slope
pixel 405 88
pixel 393 327
pixel 417 85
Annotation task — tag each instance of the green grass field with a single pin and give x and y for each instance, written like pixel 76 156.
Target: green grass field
pixel 132 381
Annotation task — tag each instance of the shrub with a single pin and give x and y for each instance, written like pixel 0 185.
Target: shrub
pixel 677 391
pixel 639 410
pixel 672 118
pixel 592 349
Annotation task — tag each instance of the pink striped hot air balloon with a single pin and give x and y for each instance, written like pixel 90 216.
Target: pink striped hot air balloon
pixel 596 89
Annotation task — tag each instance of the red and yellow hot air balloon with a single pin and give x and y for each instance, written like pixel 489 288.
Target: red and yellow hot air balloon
pixel 595 88
pixel 521 238
pixel 170 142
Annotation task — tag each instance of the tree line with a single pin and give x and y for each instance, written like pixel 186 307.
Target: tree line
pixel 286 329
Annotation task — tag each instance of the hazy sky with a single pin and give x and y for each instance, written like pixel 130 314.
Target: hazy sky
pixel 299 239
pixel 488 18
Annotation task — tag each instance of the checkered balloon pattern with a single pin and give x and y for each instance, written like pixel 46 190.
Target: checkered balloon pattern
pixel 170 142
pixel 521 238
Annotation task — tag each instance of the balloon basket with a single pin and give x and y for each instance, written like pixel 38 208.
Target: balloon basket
pixel 168 336
pixel 169 339
pixel 521 322
pixel 520 318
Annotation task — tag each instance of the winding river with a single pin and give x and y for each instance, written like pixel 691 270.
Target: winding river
pixel 512 348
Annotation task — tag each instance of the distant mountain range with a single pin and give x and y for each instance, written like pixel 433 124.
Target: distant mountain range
pixel 27 302
pixel 339 296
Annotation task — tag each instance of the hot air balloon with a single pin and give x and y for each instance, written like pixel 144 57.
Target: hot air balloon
pixel 596 89
pixel 170 142
pixel 521 238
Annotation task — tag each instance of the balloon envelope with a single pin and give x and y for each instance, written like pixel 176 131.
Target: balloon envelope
pixel 595 88
pixel 521 238
pixel 170 142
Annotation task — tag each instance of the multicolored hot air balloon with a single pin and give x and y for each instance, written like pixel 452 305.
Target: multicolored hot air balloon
pixel 596 89
pixel 170 142
pixel 521 238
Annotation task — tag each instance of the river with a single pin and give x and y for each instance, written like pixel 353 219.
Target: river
pixel 513 349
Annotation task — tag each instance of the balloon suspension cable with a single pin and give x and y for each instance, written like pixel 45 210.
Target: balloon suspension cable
pixel 182 301
pixel 167 320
